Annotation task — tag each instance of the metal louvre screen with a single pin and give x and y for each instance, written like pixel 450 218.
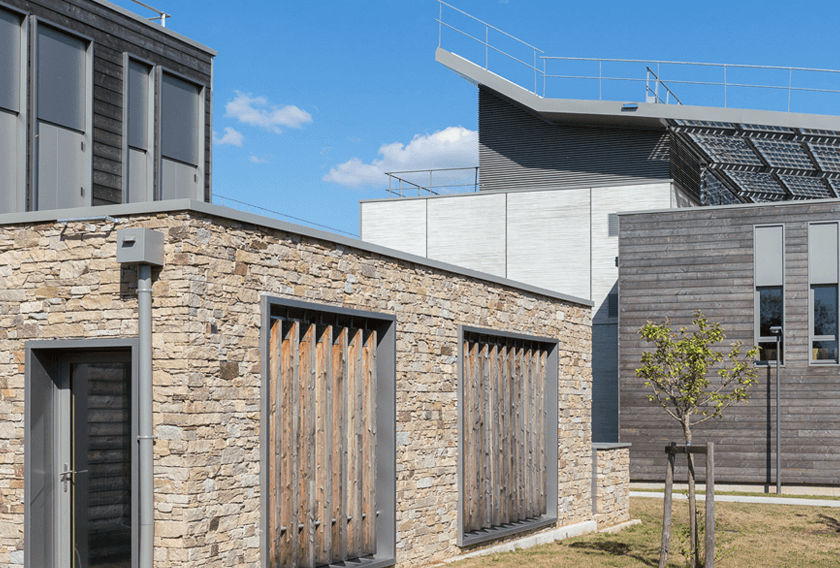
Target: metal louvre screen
pixel 179 120
pixel 61 79
pixel 322 442
pixel 503 431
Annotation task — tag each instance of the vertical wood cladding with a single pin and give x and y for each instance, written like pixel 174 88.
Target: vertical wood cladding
pixel 113 34
pixel 517 150
pixel 673 263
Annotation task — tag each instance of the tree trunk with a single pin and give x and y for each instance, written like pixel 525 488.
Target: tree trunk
pixel 693 540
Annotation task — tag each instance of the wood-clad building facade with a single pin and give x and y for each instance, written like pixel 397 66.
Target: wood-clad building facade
pixel 747 267
pixel 99 106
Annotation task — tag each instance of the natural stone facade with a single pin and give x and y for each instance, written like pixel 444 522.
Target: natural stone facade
pixel 613 485
pixel 62 281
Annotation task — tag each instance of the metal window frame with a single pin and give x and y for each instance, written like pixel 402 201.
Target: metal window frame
pixel 23 107
pixel 386 421
pixel 35 23
pixel 150 128
pixel 552 346
pixel 757 301
pixel 36 352
pixel 159 71
pixel 811 337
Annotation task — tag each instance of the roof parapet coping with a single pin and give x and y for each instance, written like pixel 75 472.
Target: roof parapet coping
pixel 200 207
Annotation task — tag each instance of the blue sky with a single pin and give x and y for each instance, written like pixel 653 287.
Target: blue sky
pixel 312 100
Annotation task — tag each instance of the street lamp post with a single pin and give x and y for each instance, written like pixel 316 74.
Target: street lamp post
pixel 778 331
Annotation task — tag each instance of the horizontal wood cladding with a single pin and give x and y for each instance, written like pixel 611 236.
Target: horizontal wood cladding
pixel 517 150
pixel 114 34
pixel 674 262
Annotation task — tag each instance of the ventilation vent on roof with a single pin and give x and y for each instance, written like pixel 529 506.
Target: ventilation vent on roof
pixel 613 224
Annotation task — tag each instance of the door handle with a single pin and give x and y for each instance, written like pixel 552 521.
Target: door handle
pixel 65 475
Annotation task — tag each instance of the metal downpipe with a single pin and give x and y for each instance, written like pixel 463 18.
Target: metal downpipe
pixel 145 426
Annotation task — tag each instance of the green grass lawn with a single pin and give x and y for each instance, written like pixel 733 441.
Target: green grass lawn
pixel 747 536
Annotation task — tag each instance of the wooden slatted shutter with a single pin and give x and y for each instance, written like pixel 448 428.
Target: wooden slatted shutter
pixel 322 443
pixel 503 429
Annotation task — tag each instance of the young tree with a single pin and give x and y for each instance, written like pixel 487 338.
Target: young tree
pixel 690 378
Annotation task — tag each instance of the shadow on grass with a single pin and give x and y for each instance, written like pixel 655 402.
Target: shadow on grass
pixel 830 522
pixel 615 548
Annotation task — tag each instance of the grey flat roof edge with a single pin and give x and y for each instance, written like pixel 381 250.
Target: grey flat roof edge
pixel 610 445
pixel 525 190
pixel 610 113
pixel 82 214
pixel 803 202
pixel 158 27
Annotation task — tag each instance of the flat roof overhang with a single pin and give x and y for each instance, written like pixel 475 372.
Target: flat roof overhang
pixel 647 116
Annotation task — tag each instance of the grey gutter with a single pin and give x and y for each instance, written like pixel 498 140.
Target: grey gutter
pixel 610 113
pixel 189 205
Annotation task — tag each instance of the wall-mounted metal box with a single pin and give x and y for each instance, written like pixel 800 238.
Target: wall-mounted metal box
pixel 140 246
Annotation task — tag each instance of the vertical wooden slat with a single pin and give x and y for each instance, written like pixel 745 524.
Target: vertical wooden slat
pixel 513 502
pixel 307 447
pixel 485 435
pixel 493 417
pixel 369 444
pixel 289 445
pixel 541 431
pixel 274 457
pixel 533 499
pixel 339 446
pixel 475 452
pixel 323 445
pixel 354 444
pixel 523 420
pixel 501 370
pixel 466 433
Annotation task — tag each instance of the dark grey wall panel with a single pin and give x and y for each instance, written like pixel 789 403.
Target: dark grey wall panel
pixel 9 60
pixel 673 263
pixel 520 151
pixel 61 78
pixel 179 119
pixel 138 103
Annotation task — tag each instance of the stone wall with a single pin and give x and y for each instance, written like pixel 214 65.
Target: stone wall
pixel 63 282
pixel 613 484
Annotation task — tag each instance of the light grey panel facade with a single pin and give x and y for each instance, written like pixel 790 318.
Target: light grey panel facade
pixel 8 162
pixel 138 187
pixel 548 234
pixel 177 180
pixel 468 232
pixel 822 253
pixel 397 223
pixel 769 256
pixel 61 168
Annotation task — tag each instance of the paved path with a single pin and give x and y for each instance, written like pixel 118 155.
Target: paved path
pixel 744 499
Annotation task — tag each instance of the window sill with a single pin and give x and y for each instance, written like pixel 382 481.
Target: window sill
pixel 499 531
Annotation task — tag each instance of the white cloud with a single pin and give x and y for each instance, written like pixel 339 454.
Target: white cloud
pixel 453 147
pixel 231 137
pixel 256 111
pixel 257 160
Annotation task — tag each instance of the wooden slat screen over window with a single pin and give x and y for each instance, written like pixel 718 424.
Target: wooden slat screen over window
pixel 504 464
pixel 322 443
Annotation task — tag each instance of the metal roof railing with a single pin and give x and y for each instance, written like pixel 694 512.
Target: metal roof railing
pixel 399 179
pixel 706 84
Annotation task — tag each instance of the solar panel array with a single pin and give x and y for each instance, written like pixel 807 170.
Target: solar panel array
pixel 764 162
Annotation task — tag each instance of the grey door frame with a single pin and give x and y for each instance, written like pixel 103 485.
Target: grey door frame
pixel 43 357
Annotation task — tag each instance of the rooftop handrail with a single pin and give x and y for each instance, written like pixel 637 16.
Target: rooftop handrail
pixel 431 188
pixel 654 68
pixel 486 42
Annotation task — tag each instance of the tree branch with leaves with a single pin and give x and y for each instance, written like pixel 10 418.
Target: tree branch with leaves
pixel 688 377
